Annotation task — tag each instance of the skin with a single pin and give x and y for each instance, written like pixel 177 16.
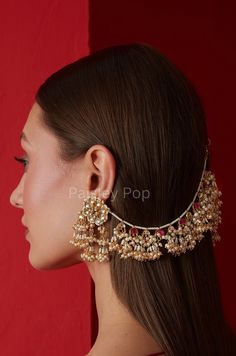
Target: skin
pixel 46 193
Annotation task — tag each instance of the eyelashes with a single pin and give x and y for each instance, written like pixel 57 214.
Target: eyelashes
pixel 22 160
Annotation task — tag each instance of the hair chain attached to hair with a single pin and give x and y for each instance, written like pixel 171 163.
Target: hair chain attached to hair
pixel 203 214
pixel 174 221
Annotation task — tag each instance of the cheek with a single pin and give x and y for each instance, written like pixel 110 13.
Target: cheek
pixel 36 190
pixel 43 190
pixel 50 213
pixel 49 207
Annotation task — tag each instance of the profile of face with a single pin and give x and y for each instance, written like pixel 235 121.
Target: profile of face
pixel 51 192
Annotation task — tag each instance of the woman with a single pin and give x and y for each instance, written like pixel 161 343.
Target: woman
pixel 122 133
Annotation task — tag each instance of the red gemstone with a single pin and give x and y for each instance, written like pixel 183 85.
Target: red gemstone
pixel 134 231
pixel 160 231
pixel 182 221
pixel 196 205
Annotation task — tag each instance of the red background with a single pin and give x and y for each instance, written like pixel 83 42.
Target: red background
pixel 49 313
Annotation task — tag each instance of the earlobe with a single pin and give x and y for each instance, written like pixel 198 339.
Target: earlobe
pixel 103 170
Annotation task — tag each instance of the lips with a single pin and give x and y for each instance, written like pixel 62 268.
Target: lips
pixel 23 223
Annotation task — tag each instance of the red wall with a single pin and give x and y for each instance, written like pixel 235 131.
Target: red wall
pixel 199 36
pixel 41 313
pixel 48 313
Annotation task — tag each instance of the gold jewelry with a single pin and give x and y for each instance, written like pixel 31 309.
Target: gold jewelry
pixel 176 237
pixel 93 216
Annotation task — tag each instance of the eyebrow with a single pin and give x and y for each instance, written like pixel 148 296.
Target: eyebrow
pixel 24 137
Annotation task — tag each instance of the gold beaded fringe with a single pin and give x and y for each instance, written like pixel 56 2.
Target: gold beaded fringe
pixel 202 215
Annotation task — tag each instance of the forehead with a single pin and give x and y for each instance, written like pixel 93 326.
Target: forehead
pixel 33 121
pixel 37 133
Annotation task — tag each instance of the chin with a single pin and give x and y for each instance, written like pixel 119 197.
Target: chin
pixel 43 265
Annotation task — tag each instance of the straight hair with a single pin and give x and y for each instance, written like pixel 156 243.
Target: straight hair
pixel 134 101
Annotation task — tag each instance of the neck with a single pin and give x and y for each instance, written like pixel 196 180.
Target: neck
pixel 117 328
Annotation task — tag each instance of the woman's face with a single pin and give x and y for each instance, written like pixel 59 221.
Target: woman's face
pixel 51 193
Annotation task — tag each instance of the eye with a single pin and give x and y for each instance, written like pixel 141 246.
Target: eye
pixel 22 160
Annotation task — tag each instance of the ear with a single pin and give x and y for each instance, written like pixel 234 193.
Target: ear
pixel 101 171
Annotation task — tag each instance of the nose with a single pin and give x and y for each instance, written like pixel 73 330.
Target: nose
pixel 16 198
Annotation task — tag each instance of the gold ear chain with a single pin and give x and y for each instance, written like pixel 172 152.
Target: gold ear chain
pixel 203 214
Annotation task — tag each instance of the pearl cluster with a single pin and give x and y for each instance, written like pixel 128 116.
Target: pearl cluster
pixel 93 216
pixel 203 215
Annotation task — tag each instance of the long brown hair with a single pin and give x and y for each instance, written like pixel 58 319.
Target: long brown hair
pixel 133 100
